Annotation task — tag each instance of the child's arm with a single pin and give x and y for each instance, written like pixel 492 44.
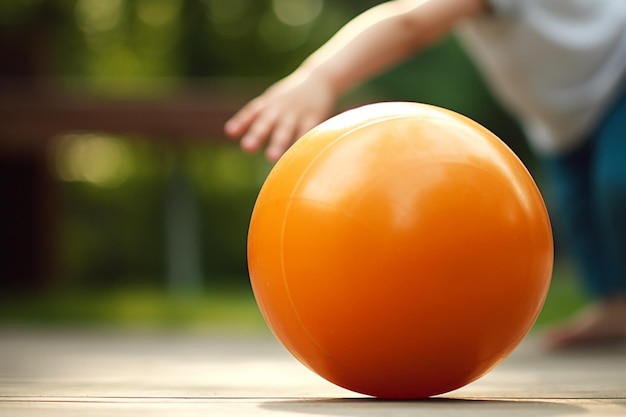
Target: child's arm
pixel 371 43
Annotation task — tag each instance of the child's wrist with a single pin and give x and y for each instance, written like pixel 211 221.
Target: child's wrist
pixel 324 77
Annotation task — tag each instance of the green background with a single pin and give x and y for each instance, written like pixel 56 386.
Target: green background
pixel 113 245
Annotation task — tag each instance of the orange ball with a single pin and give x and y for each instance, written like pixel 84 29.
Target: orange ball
pixel 400 250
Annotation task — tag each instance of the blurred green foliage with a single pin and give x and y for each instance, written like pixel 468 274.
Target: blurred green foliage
pixel 113 227
pixel 105 40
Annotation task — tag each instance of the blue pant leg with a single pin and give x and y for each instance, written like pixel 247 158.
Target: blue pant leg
pixel 569 195
pixel 609 179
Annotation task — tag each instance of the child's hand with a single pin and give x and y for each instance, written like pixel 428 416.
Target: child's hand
pixel 282 114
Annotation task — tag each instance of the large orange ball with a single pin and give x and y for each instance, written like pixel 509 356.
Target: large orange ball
pixel 400 250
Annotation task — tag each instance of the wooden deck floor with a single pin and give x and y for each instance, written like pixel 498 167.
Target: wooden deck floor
pixel 78 372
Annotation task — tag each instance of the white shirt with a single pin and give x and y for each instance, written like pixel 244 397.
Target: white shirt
pixel 555 64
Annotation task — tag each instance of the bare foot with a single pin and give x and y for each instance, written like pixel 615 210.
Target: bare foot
pixel 601 323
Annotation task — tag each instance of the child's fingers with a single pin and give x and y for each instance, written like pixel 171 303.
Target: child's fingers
pixel 283 135
pixel 306 125
pixel 240 122
pixel 258 133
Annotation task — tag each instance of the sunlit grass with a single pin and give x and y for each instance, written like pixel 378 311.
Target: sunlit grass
pixel 564 298
pixel 148 308
pixel 214 309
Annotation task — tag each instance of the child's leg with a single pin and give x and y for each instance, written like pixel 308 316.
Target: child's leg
pixel 573 215
pixel 609 178
pixel 595 227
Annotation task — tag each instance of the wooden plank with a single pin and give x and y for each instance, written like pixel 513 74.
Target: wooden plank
pixel 108 372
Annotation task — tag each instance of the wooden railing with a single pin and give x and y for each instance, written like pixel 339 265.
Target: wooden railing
pixel 32 113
